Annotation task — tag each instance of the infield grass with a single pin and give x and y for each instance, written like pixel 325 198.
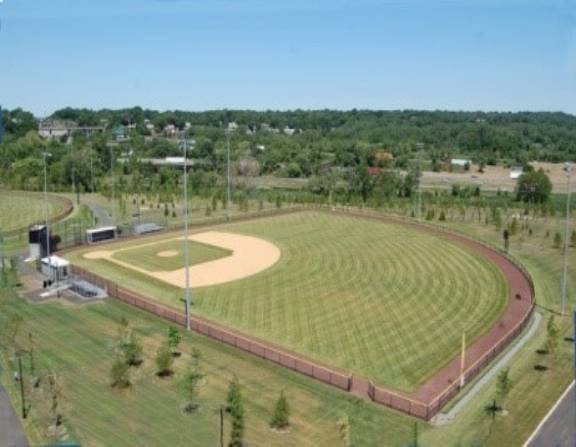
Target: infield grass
pixel 378 299
pixel 149 257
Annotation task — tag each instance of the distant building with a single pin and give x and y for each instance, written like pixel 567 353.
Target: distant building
pixel 462 162
pixel 515 173
pixel 375 171
pixel 58 129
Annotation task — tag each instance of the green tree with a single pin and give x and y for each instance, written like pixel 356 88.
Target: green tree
pixel 132 351
pixel 514 226
pixel 573 238
pixel 557 240
pixel 120 374
pixel 281 417
pixel 552 335
pixel 533 186
pixel 174 338
pixel 503 384
pixel 190 384
pixel 236 410
pixel 506 236
pixel 164 361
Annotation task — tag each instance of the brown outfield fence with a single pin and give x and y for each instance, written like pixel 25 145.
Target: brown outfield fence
pixel 252 345
pixel 425 402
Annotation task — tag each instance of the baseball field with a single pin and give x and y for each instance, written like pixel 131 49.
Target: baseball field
pixel 378 299
pixel 18 209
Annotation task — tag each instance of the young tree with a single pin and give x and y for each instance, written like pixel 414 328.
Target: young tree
pixel 174 338
pixel 55 392
pixel 164 361
pixel 120 374
pixel 573 239
pixel 344 431
pixel 506 236
pixel 236 409
pixel 553 336
pixel 281 417
pixel 190 386
pixel 503 385
pixel 514 226
pixel 132 350
pixel 557 240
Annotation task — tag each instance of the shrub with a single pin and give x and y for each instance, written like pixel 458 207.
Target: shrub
pixel 174 338
pixel 557 240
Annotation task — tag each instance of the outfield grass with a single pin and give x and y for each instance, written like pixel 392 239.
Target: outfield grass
pixel 146 257
pixel 78 345
pixel 378 299
pixel 19 210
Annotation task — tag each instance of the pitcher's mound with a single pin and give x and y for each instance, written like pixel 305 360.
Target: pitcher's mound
pixel 167 254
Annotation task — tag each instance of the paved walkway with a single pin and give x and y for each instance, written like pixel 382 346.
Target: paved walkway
pixel 11 433
pixel 104 219
pixel 558 428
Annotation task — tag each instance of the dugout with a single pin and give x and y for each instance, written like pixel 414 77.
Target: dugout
pixel 96 235
pixel 55 268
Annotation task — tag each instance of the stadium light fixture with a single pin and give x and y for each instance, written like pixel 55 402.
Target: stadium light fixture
pixel 186 145
pixel 568 168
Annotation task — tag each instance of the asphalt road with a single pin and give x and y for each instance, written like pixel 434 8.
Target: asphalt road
pixel 11 433
pixel 559 429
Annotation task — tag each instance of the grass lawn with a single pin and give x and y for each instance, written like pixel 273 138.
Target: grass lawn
pixel 378 299
pixel 18 210
pixel 77 343
pixel 146 256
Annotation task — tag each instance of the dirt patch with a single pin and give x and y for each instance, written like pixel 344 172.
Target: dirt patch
pixel 167 254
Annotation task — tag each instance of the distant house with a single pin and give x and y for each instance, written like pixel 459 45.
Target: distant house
pixel 289 131
pixel 57 129
pixel 515 173
pixel 462 162
pixel 375 171
pixel 383 158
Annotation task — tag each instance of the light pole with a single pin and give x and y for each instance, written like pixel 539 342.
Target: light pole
pixel 45 155
pixel 568 169
pixel 228 130
pixel 187 296
pixel 113 185
pixel 92 189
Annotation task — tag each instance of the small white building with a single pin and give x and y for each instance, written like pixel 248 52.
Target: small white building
pixel 55 268
pixel 462 162
pixel 515 173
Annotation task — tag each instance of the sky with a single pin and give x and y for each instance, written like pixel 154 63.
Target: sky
pixel 293 54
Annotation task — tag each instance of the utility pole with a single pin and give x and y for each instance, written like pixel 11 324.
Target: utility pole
pixel 113 185
pixel 221 426
pixel 92 189
pixel 568 169
pixel 21 379
pixel 187 295
pixel 228 173
pixel 45 156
